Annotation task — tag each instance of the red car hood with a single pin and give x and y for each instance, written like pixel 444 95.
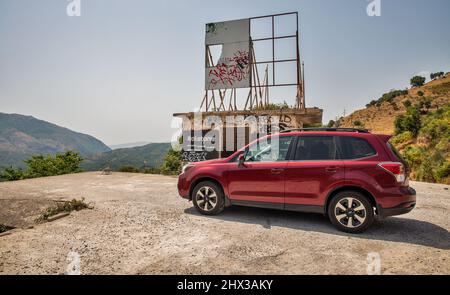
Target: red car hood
pixel 209 162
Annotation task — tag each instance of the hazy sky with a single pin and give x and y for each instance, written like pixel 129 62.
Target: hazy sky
pixel 121 69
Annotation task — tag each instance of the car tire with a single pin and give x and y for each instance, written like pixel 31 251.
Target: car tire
pixel 208 198
pixel 355 218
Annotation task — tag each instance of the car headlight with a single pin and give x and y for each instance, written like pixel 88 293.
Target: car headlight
pixel 186 168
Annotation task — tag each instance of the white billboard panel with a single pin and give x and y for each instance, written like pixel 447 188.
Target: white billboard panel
pixel 233 67
pixel 228 32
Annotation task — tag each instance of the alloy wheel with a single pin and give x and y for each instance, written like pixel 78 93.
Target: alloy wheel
pixel 350 212
pixel 206 198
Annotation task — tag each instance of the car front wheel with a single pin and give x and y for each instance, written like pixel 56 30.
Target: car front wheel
pixel 208 198
pixel 351 212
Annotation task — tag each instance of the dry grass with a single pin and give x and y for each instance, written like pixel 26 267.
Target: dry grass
pixel 62 206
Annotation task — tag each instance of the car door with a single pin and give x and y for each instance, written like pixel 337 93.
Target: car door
pixel 260 180
pixel 314 168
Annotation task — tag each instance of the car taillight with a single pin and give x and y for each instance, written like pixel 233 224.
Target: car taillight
pixel 395 168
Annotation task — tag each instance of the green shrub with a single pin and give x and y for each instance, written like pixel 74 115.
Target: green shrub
pixel 407 103
pixel 394 106
pixel 425 171
pixel 357 123
pixel 129 169
pixel 417 81
pixel 4 228
pixel 413 155
pixel 42 166
pixel 411 121
pixel 420 93
pixel 442 171
pixel 274 106
pixel 12 174
pixel 371 103
pixel 331 123
pixel 172 163
pixel 436 126
pixel 429 160
pixel 402 138
pixel 425 103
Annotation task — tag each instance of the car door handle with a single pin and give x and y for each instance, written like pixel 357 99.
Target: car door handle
pixel 331 169
pixel 276 170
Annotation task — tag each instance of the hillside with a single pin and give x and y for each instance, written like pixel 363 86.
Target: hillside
pixel 420 120
pixel 152 153
pixel 23 136
pixel 380 119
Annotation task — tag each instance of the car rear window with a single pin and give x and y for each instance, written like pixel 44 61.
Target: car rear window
pixel 356 148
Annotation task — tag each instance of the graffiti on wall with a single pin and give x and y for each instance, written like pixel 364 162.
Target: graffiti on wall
pixel 192 156
pixel 230 72
pixel 287 122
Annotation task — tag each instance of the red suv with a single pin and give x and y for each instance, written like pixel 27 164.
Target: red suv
pixel 350 175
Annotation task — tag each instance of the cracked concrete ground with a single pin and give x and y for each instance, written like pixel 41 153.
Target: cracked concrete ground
pixel 140 226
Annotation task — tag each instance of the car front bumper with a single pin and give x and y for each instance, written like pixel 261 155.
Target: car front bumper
pixel 183 187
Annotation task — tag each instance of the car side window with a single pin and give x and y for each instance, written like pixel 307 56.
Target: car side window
pixel 356 148
pixel 272 149
pixel 315 148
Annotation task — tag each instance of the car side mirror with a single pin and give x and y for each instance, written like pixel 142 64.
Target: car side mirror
pixel 241 160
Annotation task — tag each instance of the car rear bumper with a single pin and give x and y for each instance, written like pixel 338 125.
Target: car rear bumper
pixel 398 210
pixel 403 204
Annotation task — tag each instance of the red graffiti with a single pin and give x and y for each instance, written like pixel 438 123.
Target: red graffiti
pixel 231 70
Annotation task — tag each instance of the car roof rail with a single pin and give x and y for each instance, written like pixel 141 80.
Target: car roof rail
pixel 326 129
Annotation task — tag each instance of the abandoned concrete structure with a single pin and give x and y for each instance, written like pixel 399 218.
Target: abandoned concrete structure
pixel 236 66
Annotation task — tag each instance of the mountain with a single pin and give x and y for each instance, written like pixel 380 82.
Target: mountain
pixel 22 136
pixel 380 117
pixel 128 145
pixel 153 155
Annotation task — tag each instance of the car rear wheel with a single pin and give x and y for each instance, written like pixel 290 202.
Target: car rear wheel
pixel 351 212
pixel 208 198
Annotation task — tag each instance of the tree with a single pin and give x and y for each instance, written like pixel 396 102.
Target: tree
pixel 436 75
pixel 420 93
pixel 407 103
pixel 42 166
pixel 172 163
pixel 331 124
pixel 417 81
